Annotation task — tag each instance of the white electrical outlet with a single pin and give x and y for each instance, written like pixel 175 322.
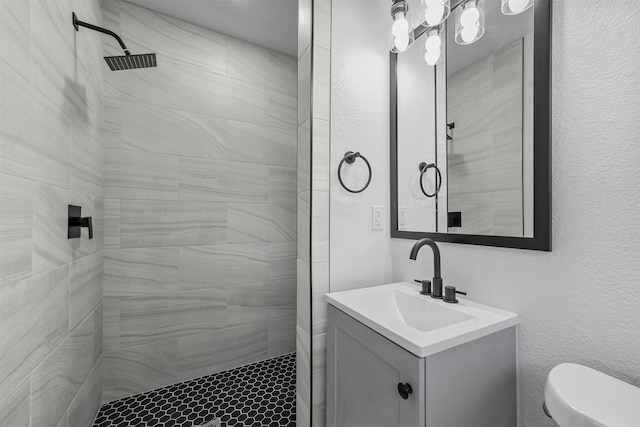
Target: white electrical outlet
pixel 377 217
pixel 402 218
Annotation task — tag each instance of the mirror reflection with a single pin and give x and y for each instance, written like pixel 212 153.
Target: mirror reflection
pixel 465 126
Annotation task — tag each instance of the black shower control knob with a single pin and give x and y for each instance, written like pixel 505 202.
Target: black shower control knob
pixel 450 294
pixel 404 389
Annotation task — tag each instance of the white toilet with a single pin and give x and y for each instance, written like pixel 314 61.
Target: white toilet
pixel 577 396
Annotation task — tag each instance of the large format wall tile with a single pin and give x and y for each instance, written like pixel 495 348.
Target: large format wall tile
pixel 85 288
pixel 282 336
pixel 254 143
pixel 282 109
pixel 260 302
pixel 16 228
pixel 223 96
pixel 14 409
pixel 282 260
pixel 56 381
pixel 171 38
pixel 111 223
pixel 218 181
pixel 261 223
pixel 137 369
pixel 160 317
pixel 140 271
pixel 50 225
pixel 205 354
pixel 282 185
pixel 112 125
pixel 87 161
pixel 26 339
pixel 111 324
pixel 155 86
pixel 15 35
pixel 221 265
pixel 85 406
pixel 136 175
pixel 168 131
pixel 262 66
pixel 145 223
pixel 35 134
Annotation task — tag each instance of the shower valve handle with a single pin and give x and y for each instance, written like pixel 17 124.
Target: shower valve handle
pixel 77 222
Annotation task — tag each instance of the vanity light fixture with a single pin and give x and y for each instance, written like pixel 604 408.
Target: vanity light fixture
pixel 469 22
pixel 436 11
pixel 469 26
pixel 433 47
pixel 401 35
pixel 514 7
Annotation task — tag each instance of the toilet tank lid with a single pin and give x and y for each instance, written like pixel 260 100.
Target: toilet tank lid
pixel 579 396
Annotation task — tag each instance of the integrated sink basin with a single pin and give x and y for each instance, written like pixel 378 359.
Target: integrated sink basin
pixel 420 324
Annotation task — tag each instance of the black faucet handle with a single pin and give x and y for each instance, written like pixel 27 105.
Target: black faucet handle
pixel 426 286
pixel 450 294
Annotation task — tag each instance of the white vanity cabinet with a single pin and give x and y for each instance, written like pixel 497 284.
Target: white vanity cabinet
pixel 469 385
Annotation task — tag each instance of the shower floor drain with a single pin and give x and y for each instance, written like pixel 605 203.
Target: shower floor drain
pixel 260 394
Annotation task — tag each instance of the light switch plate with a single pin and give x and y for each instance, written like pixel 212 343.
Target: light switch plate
pixel 402 218
pixel 377 217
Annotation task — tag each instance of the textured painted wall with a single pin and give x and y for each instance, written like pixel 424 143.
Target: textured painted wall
pixel 200 186
pixel 581 302
pixel 359 255
pixel 50 156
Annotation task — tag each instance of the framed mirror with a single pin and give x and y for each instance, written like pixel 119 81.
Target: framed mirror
pixel 470 137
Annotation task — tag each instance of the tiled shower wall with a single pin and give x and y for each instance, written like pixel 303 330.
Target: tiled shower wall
pixel 50 156
pixel 200 202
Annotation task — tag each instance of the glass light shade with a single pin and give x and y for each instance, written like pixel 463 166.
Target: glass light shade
pixel 433 57
pixel 469 22
pixel 514 7
pixel 434 47
pixel 436 11
pixel 401 43
pixel 400 25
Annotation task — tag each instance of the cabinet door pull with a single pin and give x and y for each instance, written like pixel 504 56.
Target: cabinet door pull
pixel 405 390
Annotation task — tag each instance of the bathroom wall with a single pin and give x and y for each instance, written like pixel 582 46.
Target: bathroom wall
pixel 50 156
pixel 360 256
pixel 580 302
pixel 200 201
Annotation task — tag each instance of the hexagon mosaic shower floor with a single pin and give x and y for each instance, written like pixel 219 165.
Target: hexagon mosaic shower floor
pixel 260 394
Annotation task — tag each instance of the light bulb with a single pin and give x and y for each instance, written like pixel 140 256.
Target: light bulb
pixel 432 57
pixel 433 42
pixel 469 34
pixel 401 42
pixel 470 16
pixel 400 26
pixel 517 6
pixel 434 12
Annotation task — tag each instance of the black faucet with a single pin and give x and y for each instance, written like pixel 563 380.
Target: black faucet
pixel 437 279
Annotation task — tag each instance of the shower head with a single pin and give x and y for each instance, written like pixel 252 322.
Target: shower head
pixel 131 62
pixel 124 62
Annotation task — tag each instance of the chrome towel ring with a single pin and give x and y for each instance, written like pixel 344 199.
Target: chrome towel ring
pixel 423 169
pixel 350 157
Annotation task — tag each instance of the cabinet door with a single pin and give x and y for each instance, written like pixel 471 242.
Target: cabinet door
pixel 364 370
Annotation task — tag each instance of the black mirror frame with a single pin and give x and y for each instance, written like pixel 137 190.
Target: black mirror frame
pixel 541 239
